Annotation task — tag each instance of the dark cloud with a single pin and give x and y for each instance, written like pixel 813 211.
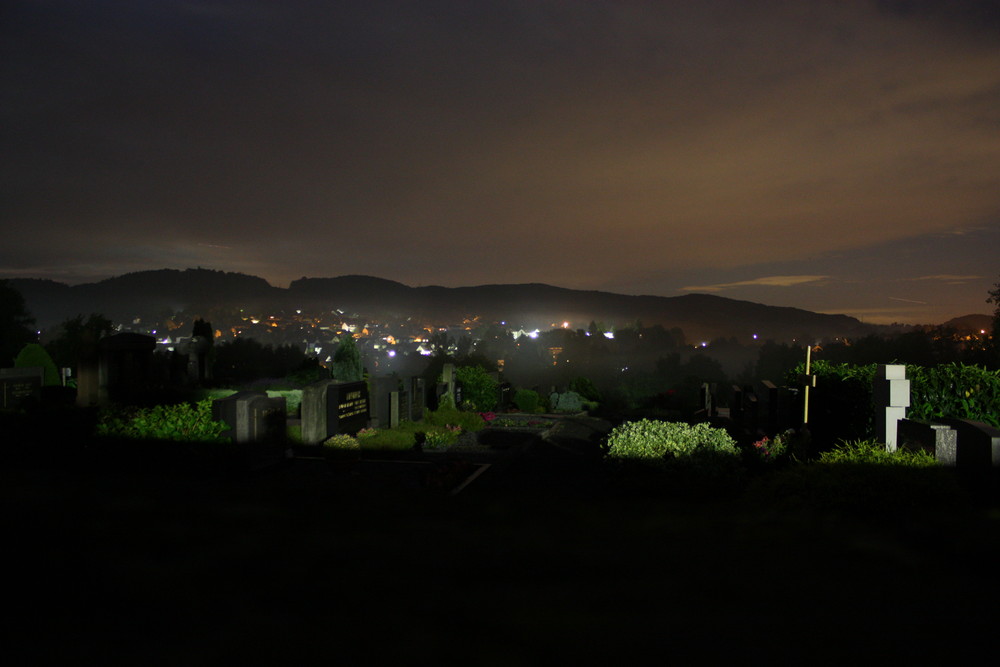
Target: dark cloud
pixel 577 143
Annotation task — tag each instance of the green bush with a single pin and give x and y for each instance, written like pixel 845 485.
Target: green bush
pixel 478 387
pixel 183 422
pixel 586 389
pixel 527 400
pixel 569 401
pixel 841 403
pixel 657 441
pixel 34 355
pixel 954 390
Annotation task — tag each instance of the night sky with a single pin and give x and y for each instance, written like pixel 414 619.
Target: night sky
pixel 835 156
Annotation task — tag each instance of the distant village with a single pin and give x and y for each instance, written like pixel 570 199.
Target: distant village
pixel 399 345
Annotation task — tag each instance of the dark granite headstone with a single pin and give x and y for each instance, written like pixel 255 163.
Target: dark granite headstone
pixel 381 402
pixel 252 416
pixel 777 408
pixel 505 395
pixel 330 407
pixel 418 398
pixel 978 442
pixel 940 440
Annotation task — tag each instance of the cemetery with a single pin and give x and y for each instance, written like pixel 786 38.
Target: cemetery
pixel 482 495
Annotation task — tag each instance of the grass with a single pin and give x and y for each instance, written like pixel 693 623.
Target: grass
pixel 546 558
pixel 299 563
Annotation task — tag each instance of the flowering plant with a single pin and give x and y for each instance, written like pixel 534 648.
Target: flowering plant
pixel 768 449
pixel 438 438
pixel 366 433
pixel 488 416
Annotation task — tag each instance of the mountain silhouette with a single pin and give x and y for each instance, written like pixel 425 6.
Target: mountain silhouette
pixel 150 294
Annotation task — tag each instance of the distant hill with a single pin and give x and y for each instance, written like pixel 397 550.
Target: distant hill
pixel 970 323
pixel 152 293
pixel 145 293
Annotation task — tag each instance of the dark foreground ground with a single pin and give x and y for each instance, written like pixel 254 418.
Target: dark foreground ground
pixel 541 560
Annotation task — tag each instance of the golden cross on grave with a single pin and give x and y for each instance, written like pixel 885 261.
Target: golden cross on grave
pixel 808 381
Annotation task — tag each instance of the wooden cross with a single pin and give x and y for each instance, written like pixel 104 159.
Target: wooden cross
pixel 808 381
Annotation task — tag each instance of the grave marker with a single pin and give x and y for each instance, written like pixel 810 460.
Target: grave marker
pixel 978 442
pixel 252 416
pixel 18 386
pixel 940 440
pixel 418 398
pixel 891 394
pixel 330 407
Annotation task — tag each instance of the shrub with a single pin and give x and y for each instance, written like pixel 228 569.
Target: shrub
pixel 478 387
pixel 32 355
pixel 184 422
pixel 448 415
pixel 569 401
pixel 771 450
pixel 954 390
pixel 526 400
pixel 585 388
pixel 342 441
pixel 658 441
pixel 842 400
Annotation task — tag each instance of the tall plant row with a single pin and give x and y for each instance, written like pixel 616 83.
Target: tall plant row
pixel 945 391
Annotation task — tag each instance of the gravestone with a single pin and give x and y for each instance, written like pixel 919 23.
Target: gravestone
pixel 398 407
pixel 125 366
pixel 751 410
pixel 330 407
pixel 448 378
pixel 381 400
pixel 20 386
pixel 707 400
pixel 891 394
pixel 197 350
pixel 736 404
pixel 252 416
pixel 940 440
pixel 440 389
pixel 978 442
pixel 777 409
pixel 505 395
pixel 418 398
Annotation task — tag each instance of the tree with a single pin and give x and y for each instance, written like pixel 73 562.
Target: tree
pixel 77 338
pixel 347 361
pixel 15 323
pixel 994 298
pixel 203 329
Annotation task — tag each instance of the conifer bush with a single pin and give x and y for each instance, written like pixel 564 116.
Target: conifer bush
pixel 34 355
pixel 527 400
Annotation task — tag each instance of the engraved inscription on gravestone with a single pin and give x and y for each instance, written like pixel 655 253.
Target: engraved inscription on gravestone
pixel 19 385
